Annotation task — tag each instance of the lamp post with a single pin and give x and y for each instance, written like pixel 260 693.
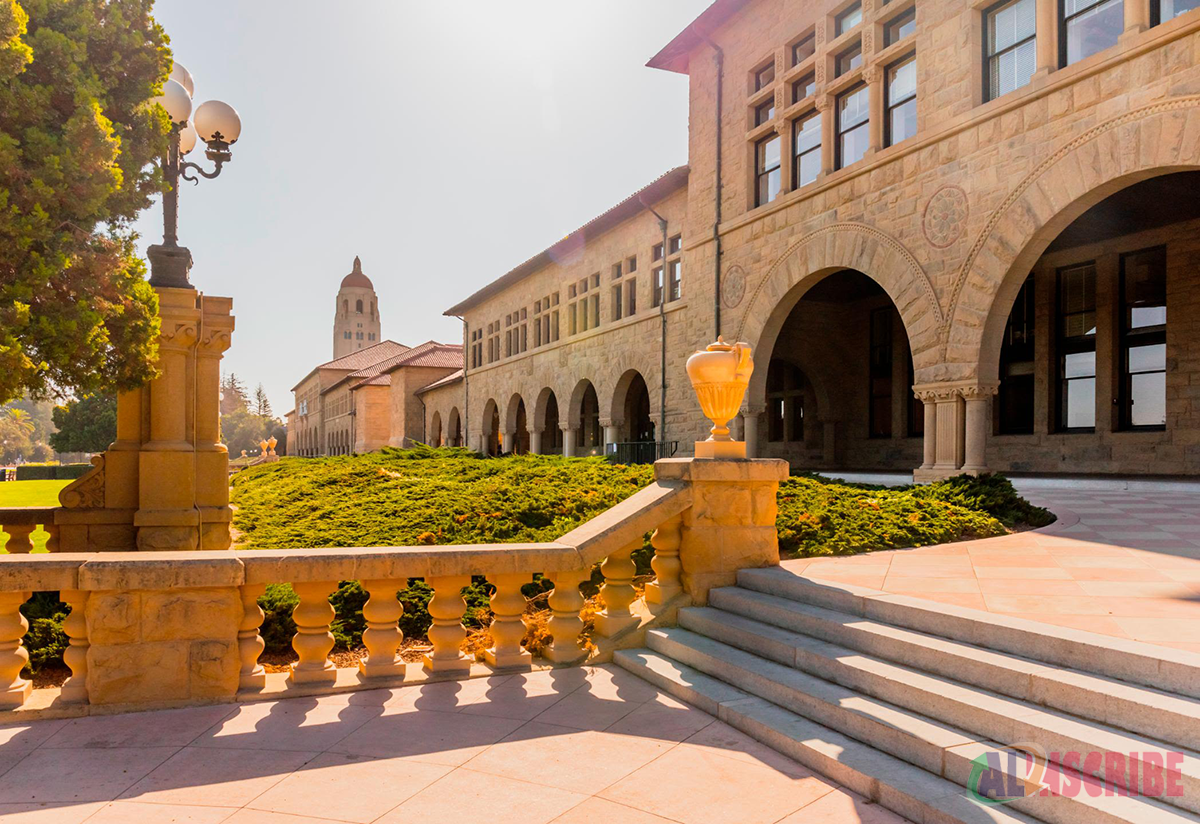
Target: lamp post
pixel 219 126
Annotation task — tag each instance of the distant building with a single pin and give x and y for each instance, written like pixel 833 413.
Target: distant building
pixel 366 397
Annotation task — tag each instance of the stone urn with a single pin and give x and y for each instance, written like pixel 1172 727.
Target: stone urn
pixel 720 375
pixel 272 442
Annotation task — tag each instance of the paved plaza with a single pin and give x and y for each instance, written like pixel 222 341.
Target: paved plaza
pixel 570 746
pixel 1117 562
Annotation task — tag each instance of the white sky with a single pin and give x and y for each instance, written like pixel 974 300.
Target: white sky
pixel 443 142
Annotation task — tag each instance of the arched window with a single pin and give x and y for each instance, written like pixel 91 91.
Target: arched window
pixel 345 307
pixel 358 307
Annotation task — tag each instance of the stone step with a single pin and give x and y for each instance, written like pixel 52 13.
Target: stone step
pixel 983 714
pixel 891 730
pixel 1163 668
pixel 1101 698
pixel 890 782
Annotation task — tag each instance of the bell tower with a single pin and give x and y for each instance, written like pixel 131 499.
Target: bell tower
pixel 356 317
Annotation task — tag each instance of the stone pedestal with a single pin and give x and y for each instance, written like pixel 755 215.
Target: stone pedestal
pixel 957 421
pixel 731 524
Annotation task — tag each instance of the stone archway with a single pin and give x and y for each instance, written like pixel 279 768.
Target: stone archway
pixel 454 428
pixel 516 429
pixel 1138 145
pixel 583 414
pixel 435 430
pixel 491 427
pixel 546 437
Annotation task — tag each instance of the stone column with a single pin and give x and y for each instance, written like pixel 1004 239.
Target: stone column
pixel 731 524
pixel 509 444
pixel 569 435
pixel 750 430
pixel 1046 44
pixel 977 399
pixel 929 406
pixel 873 77
pixel 948 430
pixel 1137 17
pixel 212 456
pixel 824 103
pixel 535 442
pixel 167 516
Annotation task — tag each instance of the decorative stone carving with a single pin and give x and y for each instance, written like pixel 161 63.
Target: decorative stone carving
pixel 720 375
pixel 733 287
pixel 86 491
pixel 945 216
pixel 565 624
pixel 666 565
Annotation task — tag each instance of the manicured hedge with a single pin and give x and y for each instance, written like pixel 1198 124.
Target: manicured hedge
pixel 51 472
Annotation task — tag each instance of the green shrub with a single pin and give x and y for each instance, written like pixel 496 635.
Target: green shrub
pixel 36 472
pixel 993 494
pixel 45 641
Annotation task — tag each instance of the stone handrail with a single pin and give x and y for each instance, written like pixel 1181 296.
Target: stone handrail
pixel 21 522
pixel 149 628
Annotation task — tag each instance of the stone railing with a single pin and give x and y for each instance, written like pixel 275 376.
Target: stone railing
pixel 173 628
pixel 21 523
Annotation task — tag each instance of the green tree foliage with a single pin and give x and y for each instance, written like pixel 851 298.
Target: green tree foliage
pixel 88 424
pixel 16 435
pixel 242 429
pixel 77 148
pixel 233 394
pixel 262 404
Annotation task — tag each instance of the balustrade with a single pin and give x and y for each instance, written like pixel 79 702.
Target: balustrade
pixel 21 523
pixel 137 620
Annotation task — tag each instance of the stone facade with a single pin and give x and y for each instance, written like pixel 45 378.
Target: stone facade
pixel 356 323
pixel 947 223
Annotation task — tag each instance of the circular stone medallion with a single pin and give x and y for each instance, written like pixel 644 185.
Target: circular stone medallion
pixel 733 287
pixel 945 216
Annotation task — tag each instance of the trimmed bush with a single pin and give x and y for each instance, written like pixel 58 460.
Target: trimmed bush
pixel 36 472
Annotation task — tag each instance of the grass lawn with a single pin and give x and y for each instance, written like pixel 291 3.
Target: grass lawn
pixel 30 493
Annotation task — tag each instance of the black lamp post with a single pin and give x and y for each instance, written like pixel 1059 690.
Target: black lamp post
pixel 219 126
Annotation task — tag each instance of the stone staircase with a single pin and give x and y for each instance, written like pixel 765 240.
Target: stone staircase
pixel 896 698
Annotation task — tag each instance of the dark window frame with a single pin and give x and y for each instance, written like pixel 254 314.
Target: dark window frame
pixel 839 19
pixel 988 55
pixel 1128 339
pixel 906 16
pixel 762 173
pixel 840 132
pixel 1063 30
pixel 847 55
pixel 761 81
pixel 890 105
pixel 1072 345
pixel 809 40
pixel 797 155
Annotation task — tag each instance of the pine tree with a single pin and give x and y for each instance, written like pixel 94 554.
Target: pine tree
pixel 233 395
pixel 262 404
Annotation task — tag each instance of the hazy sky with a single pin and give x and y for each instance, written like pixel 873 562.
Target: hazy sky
pixel 443 142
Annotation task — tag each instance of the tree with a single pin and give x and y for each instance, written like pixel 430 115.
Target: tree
pixel 242 429
pixel 16 429
pixel 233 394
pixel 262 404
pixel 77 149
pixel 88 424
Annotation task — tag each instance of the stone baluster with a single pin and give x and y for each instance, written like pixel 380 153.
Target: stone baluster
pixel 617 592
pixel 508 628
pixel 250 644
pixel 20 541
pixel 52 540
pixel 313 640
pixel 447 633
pixel 666 565
pixel 74 689
pixel 382 637
pixel 13 657
pixel 565 623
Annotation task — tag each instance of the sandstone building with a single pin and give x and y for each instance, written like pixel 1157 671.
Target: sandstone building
pixel 959 236
pixel 366 397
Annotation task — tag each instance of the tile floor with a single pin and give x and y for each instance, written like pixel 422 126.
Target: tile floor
pixel 1117 562
pixel 571 746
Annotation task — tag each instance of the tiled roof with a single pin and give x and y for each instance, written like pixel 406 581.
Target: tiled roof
pixel 365 357
pixel 453 377
pixel 430 354
pixel 657 189
pixel 674 56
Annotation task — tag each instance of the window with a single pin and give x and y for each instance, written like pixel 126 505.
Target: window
pixel 880 410
pixel 900 27
pixel 674 244
pixel 804 87
pixel 1010 38
pixel 785 402
pixel 595 280
pixel 849 60
pixel 764 77
pixel 806 138
pixel 853 111
pixel 1144 339
pixel 616 271
pixel 806 47
pixel 572 323
pixel 675 280
pixel 1077 348
pixel 767 170
pixel 631 264
pixel 848 19
pixel 901 90
pixel 1089 26
pixel 631 297
pixel 764 112
pixel 595 311
pixel 657 252
pixel 618 303
pixel 1170 9
pixel 1014 401
pixel 656 275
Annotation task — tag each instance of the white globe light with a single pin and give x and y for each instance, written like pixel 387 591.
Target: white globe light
pixel 187 139
pixel 184 78
pixel 176 101
pixel 217 121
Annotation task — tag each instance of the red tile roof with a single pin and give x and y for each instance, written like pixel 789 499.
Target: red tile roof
pixel 656 190
pixel 429 354
pixel 453 377
pixel 360 358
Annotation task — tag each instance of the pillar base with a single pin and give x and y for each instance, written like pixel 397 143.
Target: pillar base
pixel 17 694
pixel 721 449
pixel 656 593
pixel 322 675
pixel 508 661
pixel 610 626
pixel 367 670
pixel 442 666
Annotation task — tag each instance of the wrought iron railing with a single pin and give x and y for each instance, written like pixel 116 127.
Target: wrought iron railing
pixel 640 452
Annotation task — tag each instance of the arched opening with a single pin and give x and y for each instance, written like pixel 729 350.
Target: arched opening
pixel 358 306
pixel 589 435
pixel 547 423
pixel 837 390
pixel 454 430
pixel 631 409
pixel 491 428
pixel 516 427
pixel 435 430
pixel 1088 339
